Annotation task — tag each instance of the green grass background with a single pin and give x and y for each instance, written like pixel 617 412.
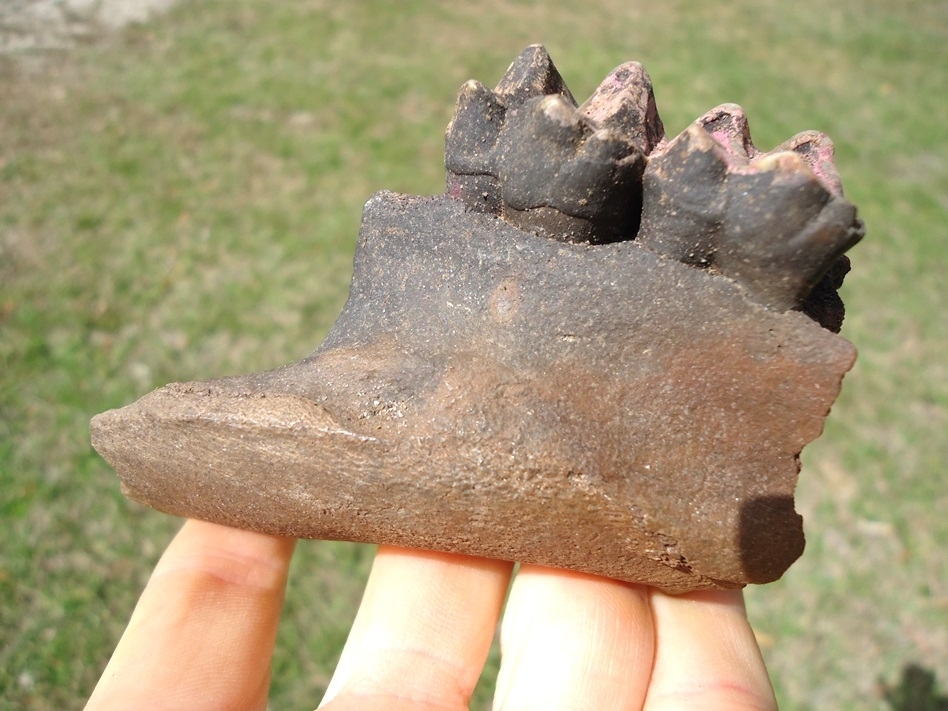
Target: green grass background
pixel 182 200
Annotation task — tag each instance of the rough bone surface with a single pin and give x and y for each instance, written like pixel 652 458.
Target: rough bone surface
pixel 601 350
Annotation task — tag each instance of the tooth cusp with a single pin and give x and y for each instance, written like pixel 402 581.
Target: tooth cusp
pixel 817 151
pixel 532 74
pixel 625 102
pixel 727 125
pixel 472 133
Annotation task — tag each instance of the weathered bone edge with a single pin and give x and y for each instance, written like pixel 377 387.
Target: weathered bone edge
pixel 628 396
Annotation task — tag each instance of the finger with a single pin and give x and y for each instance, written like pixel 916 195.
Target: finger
pixel 573 641
pixel 422 633
pixel 202 634
pixel 706 655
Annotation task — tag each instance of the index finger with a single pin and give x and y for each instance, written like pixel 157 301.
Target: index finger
pixel 202 634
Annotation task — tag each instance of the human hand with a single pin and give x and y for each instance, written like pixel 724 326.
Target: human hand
pixel 203 632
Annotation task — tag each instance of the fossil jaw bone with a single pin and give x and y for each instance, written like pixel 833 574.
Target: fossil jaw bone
pixel 595 363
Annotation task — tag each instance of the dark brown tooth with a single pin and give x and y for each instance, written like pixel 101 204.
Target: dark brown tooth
pixel 473 131
pixel 625 102
pixel 563 178
pixel 545 134
pixel 774 222
pixel 469 142
pixel 783 230
pixel 530 75
pixel 684 198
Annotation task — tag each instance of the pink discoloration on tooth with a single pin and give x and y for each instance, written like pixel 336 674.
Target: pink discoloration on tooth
pixel 727 124
pixel 818 153
pixel 624 102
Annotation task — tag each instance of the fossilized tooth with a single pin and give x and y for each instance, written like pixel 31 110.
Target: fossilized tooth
pixel 608 361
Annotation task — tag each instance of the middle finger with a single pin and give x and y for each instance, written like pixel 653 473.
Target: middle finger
pixel 422 633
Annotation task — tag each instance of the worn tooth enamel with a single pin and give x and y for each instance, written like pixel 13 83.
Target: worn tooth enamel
pixel 525 371
pixel 559 112
pixel 470 137
pixel 728 125
pixel 530 75
pixel 785 163
pixel 818 151
pixel 625 102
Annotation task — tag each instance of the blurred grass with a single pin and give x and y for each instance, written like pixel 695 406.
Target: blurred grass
pixel 182 200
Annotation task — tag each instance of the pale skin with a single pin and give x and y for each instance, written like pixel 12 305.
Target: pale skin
pixel 203 633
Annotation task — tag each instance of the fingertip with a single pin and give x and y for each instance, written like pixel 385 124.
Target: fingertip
pixel 203 631
pixel 422 633
pixel 706 654
pixel 574 641
pixel 233 557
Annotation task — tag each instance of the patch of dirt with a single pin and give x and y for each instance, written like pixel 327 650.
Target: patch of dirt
pixel 36 25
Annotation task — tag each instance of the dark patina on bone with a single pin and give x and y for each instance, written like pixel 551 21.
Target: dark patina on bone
pixel 600 349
